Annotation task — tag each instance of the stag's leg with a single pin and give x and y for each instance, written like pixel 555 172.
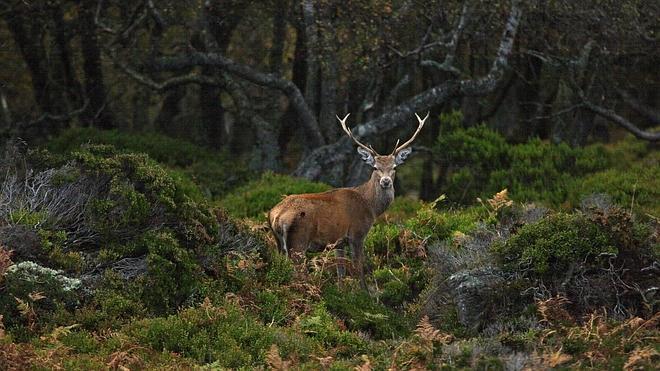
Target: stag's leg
pixel 358 260
pixel 340 255
pixel 297 244
pixel 281 240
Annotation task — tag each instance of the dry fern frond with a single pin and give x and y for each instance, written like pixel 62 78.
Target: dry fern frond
pixel 5 260
pixel 36 296
pixel 27 312
pixel 640 358
pixel 552 310
pixel 274 360
pixel 427 333
pixel 500 200
pixel 325 361
pixel 59 332
pixel 554 359
pixel 125 359
pixel 412 245
pixel 366 365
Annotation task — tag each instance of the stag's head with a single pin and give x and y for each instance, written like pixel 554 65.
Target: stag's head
pixel 384 166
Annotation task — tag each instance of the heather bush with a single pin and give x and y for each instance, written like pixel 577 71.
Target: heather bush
pixel 254 199
pixel 361 312
pixel 213 172
pixel 478 162
pixel 553 244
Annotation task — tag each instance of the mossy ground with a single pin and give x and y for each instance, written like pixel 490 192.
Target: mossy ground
pixel 214 293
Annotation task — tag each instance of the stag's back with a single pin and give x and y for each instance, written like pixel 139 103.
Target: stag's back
pixel 314 220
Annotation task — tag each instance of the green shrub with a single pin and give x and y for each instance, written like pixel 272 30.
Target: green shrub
pixel 140 196
pixel 401 208
pixel 224 335
pixel 478 162
pixel 280 269
pixel 435 225
pixel 394 284
pixel 636 187
pixel 550 246
pixel 81 342
pixel 54 244
pixel 254 199
pixel 382 239
pixel 214 172
pixel 361 312
pixel 27 218
pixel 172 272
pixel 320 325
pixel 272 307
pixel 31 293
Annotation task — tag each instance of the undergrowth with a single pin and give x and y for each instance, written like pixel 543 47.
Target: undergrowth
pixel 141 270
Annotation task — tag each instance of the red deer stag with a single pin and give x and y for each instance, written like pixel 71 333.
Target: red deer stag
pixel 312 221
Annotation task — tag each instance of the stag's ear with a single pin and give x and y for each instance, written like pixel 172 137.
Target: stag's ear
pixel 402 155
pixel 366 156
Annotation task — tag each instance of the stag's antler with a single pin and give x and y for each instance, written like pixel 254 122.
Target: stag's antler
pixel 350 134
pixel 398 147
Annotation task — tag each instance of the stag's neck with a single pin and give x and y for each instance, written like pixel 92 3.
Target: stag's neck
pixel 378 198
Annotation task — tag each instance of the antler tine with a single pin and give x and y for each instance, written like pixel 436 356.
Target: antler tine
pixel 419 128
pixel 350 134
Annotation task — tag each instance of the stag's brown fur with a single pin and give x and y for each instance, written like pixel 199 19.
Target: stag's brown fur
pixel 312 221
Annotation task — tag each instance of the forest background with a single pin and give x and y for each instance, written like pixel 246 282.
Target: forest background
pixel 149 137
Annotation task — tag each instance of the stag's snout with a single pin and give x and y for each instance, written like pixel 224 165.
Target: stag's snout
pixel 386 182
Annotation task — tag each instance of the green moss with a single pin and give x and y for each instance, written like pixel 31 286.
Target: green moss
pixel 255 198
pixel 551 245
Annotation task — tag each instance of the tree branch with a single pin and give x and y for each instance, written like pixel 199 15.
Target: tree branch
pixel 649 112
pixel 448 64
pixel 488 83
pixel 273 81
pixel 191 78
pixel 621 121
pixel 315 166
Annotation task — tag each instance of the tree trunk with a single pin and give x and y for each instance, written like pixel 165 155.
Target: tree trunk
pixel 67 74
pixel 312 58
pixel 97 113
pixel 169 110
pixel 329 75
pixel 279 36
pixel 289 121
pixel 220 18
pixel 28 37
